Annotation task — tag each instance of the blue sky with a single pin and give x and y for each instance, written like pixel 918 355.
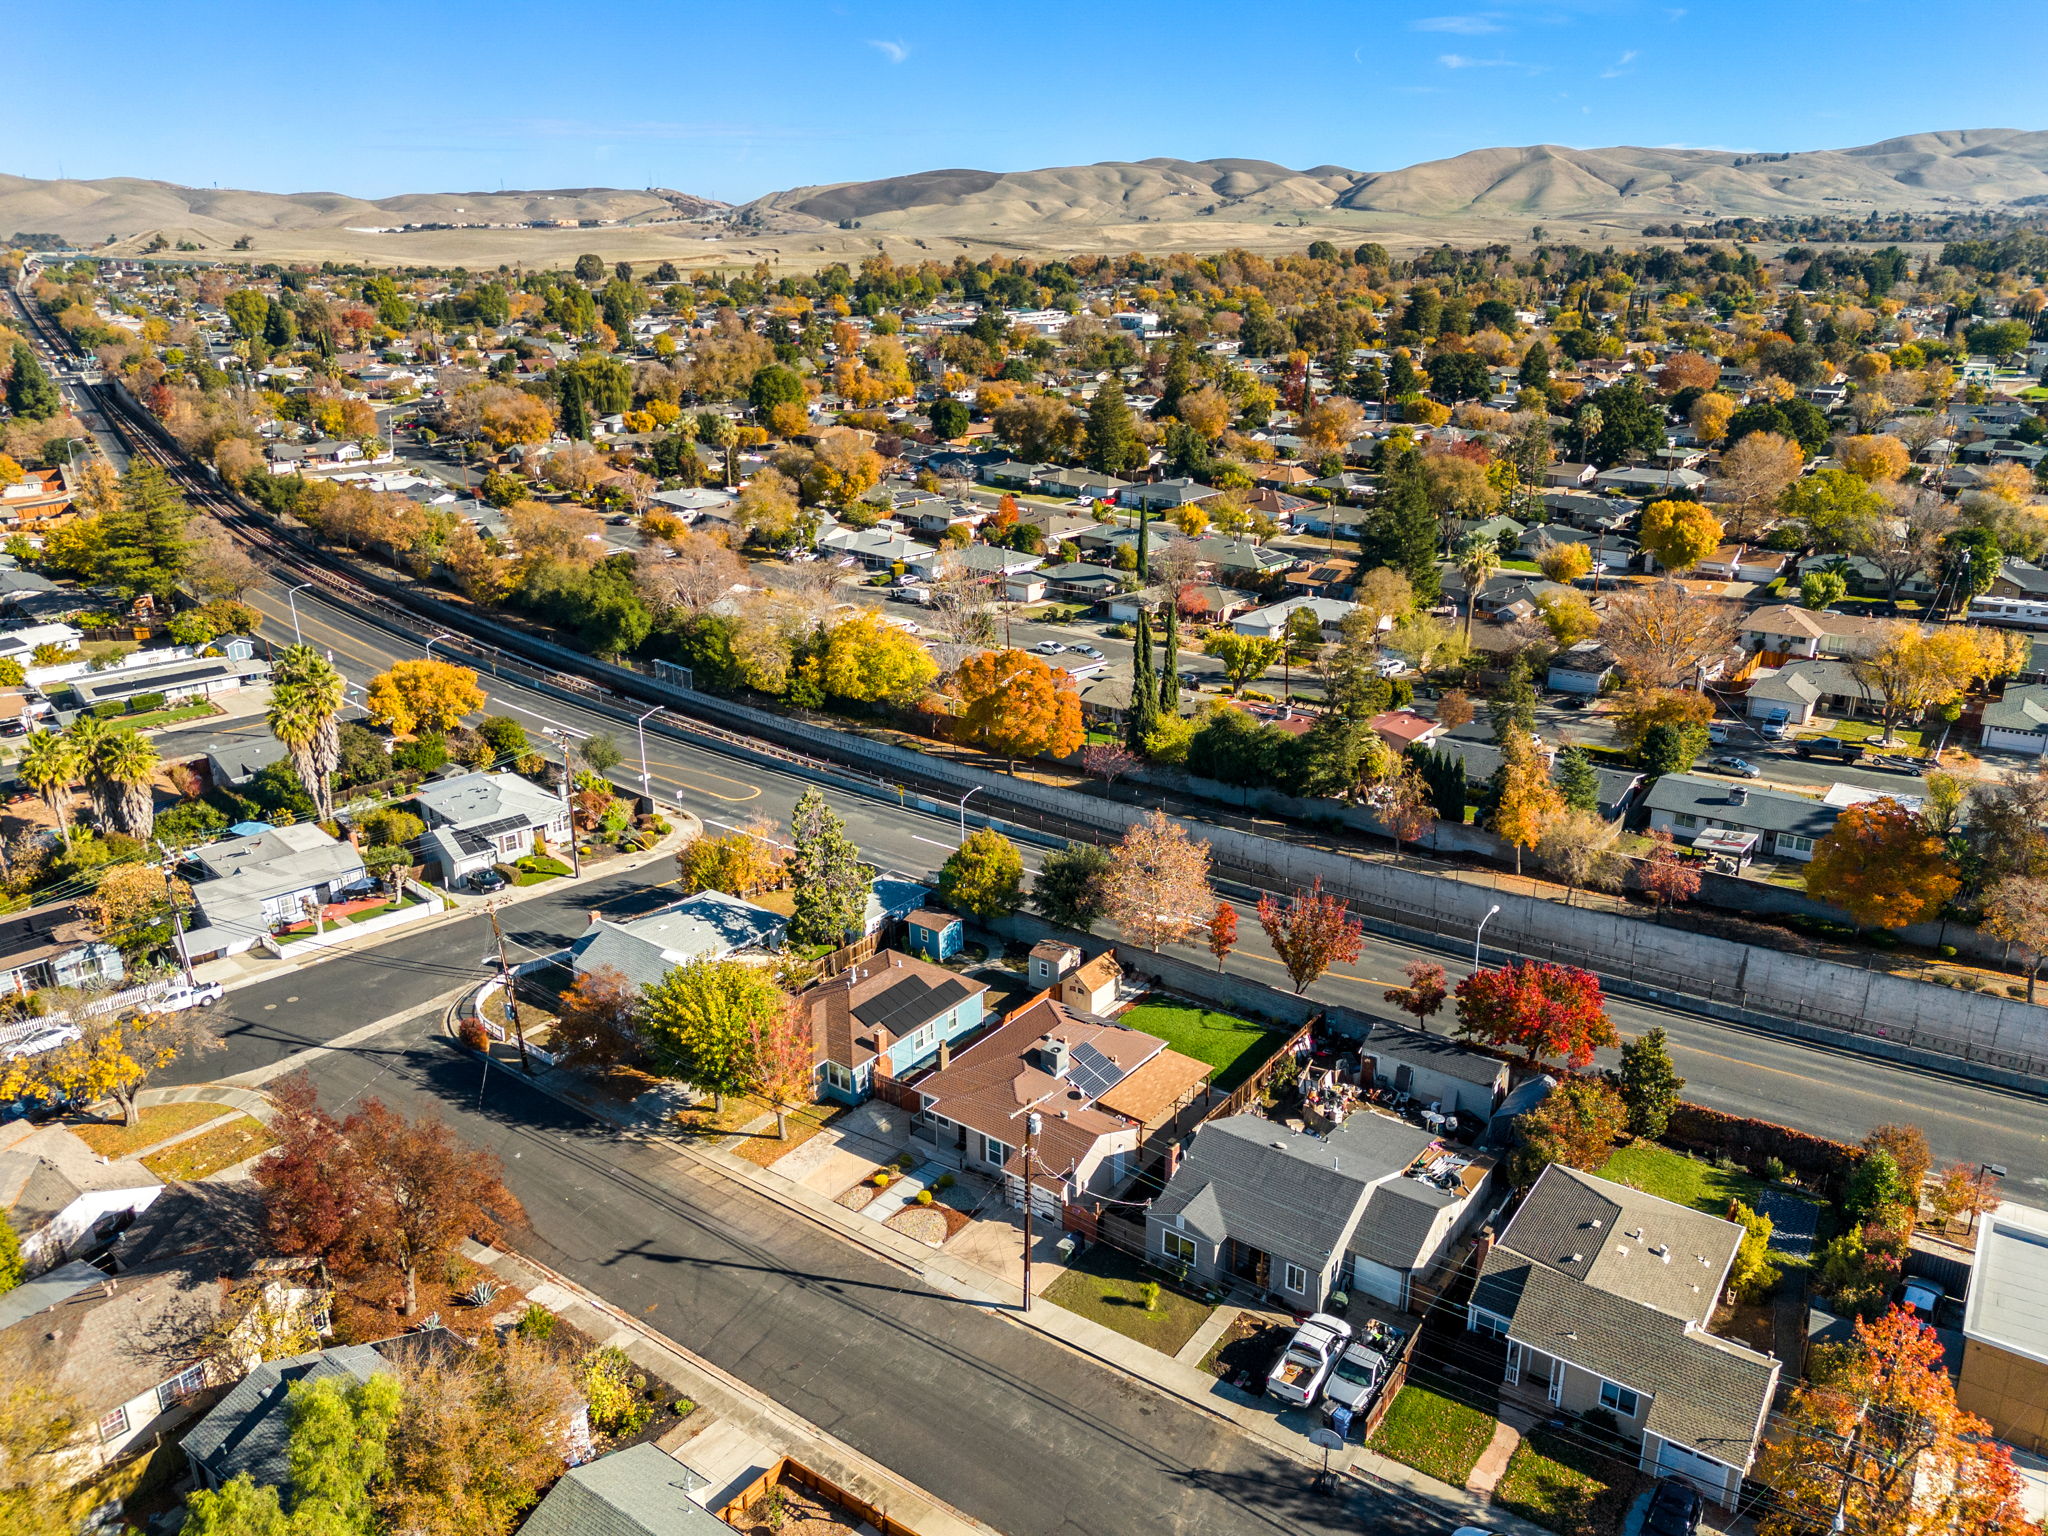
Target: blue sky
pixel 733 99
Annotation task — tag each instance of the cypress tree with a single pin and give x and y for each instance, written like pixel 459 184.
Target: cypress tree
pixel 575 417
pixel 1169 674
pixel 31 394
pixel 1143 714
pixel 1113 446
pixel 1402 531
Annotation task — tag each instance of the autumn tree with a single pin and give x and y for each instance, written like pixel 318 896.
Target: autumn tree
pixel 1876 1433
pixel 830 882
pixel 1016 705
pixel 1882 864
pixel 1582 849
pixel 701 1019
pixel 114 1058
pixel 1222 932
pixel 1660 636
pixel 785 1064
pixel 1311 932
pixel 426 695
pixel 1565 563
pixel 1665 877
pixel 738 863
pixel 1880 457
pixel 41 1426
pixel 1541 1009
pixel 1963 1190
pixel 1528 800
pixel 1753 474
pixel 1425 993
pixel 593 1027
pixel 1679 533
pixel 1577 1124
pixel 1069 886
pixel 983 876
pixel 1157 886
pixel 1649 1083
pixel 2016 912
pixel 867 660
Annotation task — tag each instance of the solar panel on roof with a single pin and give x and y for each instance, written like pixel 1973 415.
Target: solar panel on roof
pixel 910 1002
pixel 1091 1071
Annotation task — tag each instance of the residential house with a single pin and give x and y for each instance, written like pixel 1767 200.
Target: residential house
pixel 1370 1207
pixel 988 561
pixel 1779 824
pixel 692 504
pixel 707 926
pixel 1471 744
pixel 1569 475
pixel 2005 1328
pixel 639 1491
pixel 476 820
pixel 54 945
pixel 1515 596
pixel 1080 483
pixel 2018 578
pixel 1270 623
pixel 235 760
pixel 1403 728
pixel 1433 1068
pixel 1078 580
pixel 888 1017
pixel 1239 562
pixel 1164 495
pixel 1047 1060
pixel 875 548
pixel 1604 1296
pixel 1331 577
pixel 1196 600
pixel 2017 721
pixel 200 678
pixel 125 1340
pixel 1784 633
pixel 937 936
pixel 1582 668
pixel 19 644
pixel 1085 986
pixel 1641 480
pixel 1743 562
pixel 1794 693
pixel 248 885
pixel 61 1215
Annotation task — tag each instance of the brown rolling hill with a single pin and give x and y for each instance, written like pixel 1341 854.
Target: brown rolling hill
pixel 1158 205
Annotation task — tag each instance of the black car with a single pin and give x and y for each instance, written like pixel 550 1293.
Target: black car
pixel 1674 1509
pixel 487 880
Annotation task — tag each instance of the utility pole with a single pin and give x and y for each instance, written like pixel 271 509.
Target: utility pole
pixel 177 913
pixel 511 988
pixel 1031 1124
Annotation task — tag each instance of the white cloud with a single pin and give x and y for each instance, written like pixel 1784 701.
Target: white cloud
pixel 894 52
pixel 1619 67
pixel 1465 61
pixel 1464 26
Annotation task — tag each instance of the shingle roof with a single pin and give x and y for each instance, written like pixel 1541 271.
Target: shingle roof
pixel 640 1491
pixel 2021 709
pixel 1437 1052
pixel 1398 1222
pixel 246 1430
pixel 1758 810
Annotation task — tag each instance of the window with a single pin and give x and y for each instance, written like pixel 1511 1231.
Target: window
pixel 1686 819
pixel 1620 1399
pixel 993 1152
pixel 1178 1247
pixel 114 1424
pixel 1791 842
pixel 839 1077
pixel 179 1387
pixel 1486 1322
pixel 1297 1279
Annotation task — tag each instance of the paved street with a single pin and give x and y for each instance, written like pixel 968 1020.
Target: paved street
pixel 993 1418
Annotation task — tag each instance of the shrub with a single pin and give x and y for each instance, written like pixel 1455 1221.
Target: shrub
pixel 1696 1128
pixel 1150 1292
pixel 471 1032
pixel 1947 951
pixel 944 1181
pixel 880 1178
pixel 1774 1169
pixel 924 1197
pixel 143 703
pixel 536 1322
pixel 906 1161
pixel 610 1385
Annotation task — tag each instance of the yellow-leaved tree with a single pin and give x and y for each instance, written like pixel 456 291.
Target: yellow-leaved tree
pixel 425 695
pixel 867 660
pixel 113 1058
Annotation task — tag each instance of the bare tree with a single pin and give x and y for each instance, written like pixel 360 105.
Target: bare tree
pixel 1905 543
pixel 1661 635
pixel 701 571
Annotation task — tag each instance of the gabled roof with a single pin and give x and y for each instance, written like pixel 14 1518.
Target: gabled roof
pixel 2022 708
pixel 471 798
pixel 707 926
pixel 640 1491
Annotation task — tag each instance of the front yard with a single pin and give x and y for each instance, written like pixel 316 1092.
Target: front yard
pixel 1234 1048
pixel 160 1122
pixel 1574 1488
pixel 204 1155
pixel 1434 1434
pixel 1107 1287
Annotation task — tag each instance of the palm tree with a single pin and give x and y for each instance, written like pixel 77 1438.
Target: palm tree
pixel 49 766
pixel 1478 558
pixel 89 736
pixel 127 762
pixel 306 696
pixel 723 433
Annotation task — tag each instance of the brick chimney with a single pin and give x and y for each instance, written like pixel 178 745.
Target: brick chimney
pixel 883 1040
pixel 945 1054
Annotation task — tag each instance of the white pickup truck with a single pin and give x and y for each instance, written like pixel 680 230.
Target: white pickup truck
pixel 1297 1376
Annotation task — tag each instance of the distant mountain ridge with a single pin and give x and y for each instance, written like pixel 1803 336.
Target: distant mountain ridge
pixel 1158 204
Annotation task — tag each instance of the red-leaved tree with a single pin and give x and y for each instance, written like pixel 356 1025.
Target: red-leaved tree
pixel 1222 932
pixel 1665 877
pixel 1312 932
pixel 1424 995
pixel 1544 1011
pixel 785 1061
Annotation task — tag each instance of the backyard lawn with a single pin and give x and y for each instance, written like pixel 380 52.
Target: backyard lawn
pixel 1106 1287
pixel 160 1122
pixel 1572 1488
pixel 1434 1434
pixel 1234 1048
pixel 1680 1179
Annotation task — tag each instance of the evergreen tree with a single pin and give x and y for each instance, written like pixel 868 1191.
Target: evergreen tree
pixel 1169 671
pixel 1143 714
pixel 1577 778
pixel 1369 383
pixel 1514 707
pixel 1402 378
pixel 1402 529
pixel 30 392
pixel 1112 443
pixel 1649 1084
pixel 1535 372
pixel 1444 776
pixel 143 546
pixel 831 883
pixel 575 413
pixel 1629 422
pixel 1179 378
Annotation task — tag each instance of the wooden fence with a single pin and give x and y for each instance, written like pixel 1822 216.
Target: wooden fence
pixel 794 1473
pixel 1248 1090
pixel 1391 1387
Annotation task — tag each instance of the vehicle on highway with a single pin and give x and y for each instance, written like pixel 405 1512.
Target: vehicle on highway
pixel 1674 1509
pixel 1740 767
pixel 484 881
pixel 1297 1376
pixel 198 994
pixel 39 1043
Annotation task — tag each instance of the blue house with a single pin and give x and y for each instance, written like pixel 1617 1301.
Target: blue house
pixel 891 1016
pixel 933 935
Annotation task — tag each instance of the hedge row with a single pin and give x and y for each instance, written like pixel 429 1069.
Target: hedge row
pixel 1752 1142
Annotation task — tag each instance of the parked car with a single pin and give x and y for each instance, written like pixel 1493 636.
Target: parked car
pixel 1919 1296
pixel 1356 1377
pixel 198 994
pixel 1774 730
pixel 1740 767
pixel 485 881
pixel 1674 1509
pixel 1827 746
pixel 1297 1376
pixel 37 1044
pixel 1048 648
pixel 1720 732
pixel 1086 650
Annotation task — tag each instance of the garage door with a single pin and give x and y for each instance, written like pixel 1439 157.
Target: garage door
pixel 1710 1476
pixel 1379 1281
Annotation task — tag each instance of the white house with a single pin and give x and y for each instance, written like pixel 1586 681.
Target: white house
pixel 477 820
pixel 1270 623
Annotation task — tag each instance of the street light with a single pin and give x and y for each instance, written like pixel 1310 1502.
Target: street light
pixel 1997 1171
pixel 291 596
pixel 640 730
pixel 446 634
pixel 963 810
pixel 1480 930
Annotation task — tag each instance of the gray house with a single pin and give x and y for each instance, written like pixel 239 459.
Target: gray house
pixel 1371 1207
pixel 255 882
pixel 640 1491
pixel 476 820
pixel 708 926
pixel 1783 825
pixel 1434 1068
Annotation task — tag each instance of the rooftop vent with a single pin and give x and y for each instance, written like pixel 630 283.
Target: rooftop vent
pixel 1052 1055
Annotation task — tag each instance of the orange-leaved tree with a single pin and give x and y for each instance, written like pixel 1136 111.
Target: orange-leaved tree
pixel 1310 932
pixel 1883 865
pixel 1013 703
pixel 1157 886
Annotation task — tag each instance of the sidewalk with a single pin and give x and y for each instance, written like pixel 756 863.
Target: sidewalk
pixel 951 1275
pixel 735 1432
pixel 252 966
